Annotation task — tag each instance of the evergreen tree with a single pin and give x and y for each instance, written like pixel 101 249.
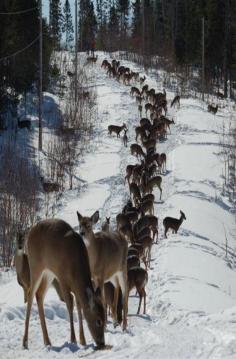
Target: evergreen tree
pixel 55 22
pixel 87 24
pixel 67 26
pixel 113 29
pixel 136 27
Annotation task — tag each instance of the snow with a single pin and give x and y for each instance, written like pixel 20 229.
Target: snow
pixel 191 292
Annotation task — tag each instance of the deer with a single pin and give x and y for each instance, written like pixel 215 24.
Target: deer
pixel 134 190
pixel 22 265
pixel 133 261
pixel 167 122
pixel 142 79
pixel 46 238
pixel 212 109
pixel 175 101
pixel 138 278
pixel 140 110
pixel 136 150
pixel 24 123
pixel 129 172
pixel 125 138
pixel 107 254
pixel 153 182
pixel 134 91
pixel 106 225
pixel 162 162
pixel 146 242
pixel 146 207
pixel 173 223
pixel 149 221
pixel 116 129
pixel 49 186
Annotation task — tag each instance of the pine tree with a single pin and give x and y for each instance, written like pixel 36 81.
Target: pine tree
pixel 55 22
pixel 113 29
pixel 136 27
pixel 87 24
pixel 67 26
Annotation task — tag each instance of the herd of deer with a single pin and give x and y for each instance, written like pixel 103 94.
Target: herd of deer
pixel 97 270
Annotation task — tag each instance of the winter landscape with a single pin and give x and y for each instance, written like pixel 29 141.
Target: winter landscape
pixel 84 167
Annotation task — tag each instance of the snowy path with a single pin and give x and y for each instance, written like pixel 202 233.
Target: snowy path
pixel 191 291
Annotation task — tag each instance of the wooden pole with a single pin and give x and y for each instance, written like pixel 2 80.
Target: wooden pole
pixel 203 58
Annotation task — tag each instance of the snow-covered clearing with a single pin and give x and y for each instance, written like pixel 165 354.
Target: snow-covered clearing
pixel 191 293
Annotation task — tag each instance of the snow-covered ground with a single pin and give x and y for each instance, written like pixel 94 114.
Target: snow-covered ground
pixel 191 292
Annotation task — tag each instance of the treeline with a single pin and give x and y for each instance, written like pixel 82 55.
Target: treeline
pixel 171 29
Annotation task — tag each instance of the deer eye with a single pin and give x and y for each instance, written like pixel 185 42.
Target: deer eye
pixel 98 323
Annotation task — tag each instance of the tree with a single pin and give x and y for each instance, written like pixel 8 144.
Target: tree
pixel 67 26
pixel 55 22
pixel 87 24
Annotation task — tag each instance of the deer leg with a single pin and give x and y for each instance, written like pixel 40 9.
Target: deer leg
pixel 40 294
pixel 68 298
pixel 160 192
pixel 144 297
pixel 81 328
pixel 140 300
pixel 124 290
pixel 115 302
pixel 35 282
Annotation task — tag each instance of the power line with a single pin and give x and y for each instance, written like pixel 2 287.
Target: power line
pixel 20 51
pixel 19 12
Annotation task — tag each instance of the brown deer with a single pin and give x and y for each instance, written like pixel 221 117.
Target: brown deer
pixel 212 109
pixel 138 278
pixel 22 265
pixel 140 110
pixel 146 242
pixel 106 225
pixel 134 91
pixel 135 192
pixel 107 258
pixel 149 221
pixel 175 101
pixel 146 207
pixel 129 172
pixel 50 186
pixel 173 223
pixel 133 261
pixel 109 291
pixel 116 129
pixel 162 162
pixel 142 79
pixel 136 150
pixel 153 182
pixel 45 239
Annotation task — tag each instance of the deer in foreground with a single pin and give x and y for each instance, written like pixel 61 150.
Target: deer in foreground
pixel 22 265
pixel 138 278
pixel 173 223
pixel 116 129
pixel 50 243
pixel 108 260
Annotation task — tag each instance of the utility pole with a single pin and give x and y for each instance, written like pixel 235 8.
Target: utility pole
pixel 203 58
pixel 143 29
pixel 76 48
pixel 40 144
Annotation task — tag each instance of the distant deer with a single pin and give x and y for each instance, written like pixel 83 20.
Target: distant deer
pixel 106 225
pixel 212 109
pixel 22 265
pixel 49 186
pixel 153 182
pixel 175 101
pixel 116 129
pixel 44 240
pixel 138 278
pixel 135 191
pixel 142 79
pixel 137 150
pixel 107 253
pixel 173 223
pixel 24 123
pixel 134 91
pixel 162 162
pixel 125 138
pixel 140 110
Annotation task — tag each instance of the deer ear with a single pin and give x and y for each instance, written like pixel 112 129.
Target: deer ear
pixel 95 217
pixel 79 216
pixel 90 295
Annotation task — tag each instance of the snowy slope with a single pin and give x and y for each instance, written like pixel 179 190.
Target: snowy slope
pixel 191 301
